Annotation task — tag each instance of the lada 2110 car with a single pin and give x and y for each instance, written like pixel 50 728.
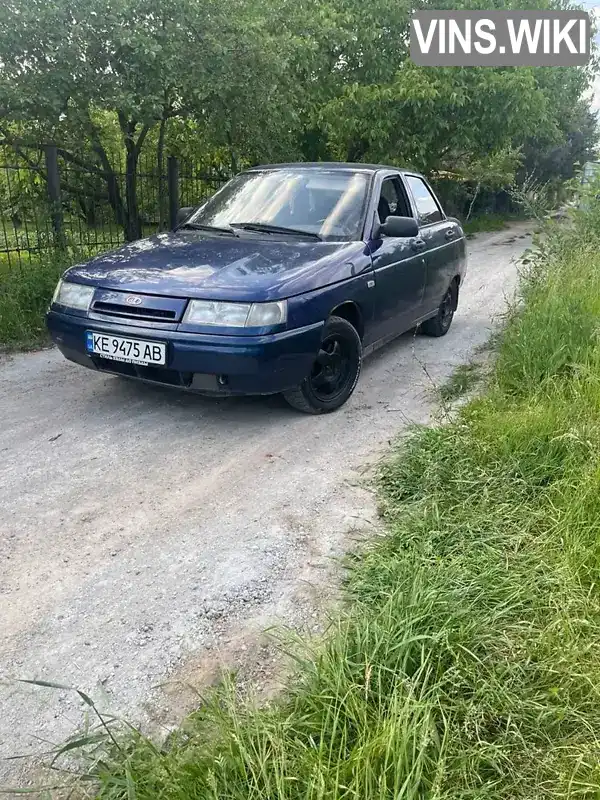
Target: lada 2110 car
pixel 283 281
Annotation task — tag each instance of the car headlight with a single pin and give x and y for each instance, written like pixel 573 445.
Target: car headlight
pixel 73 295
pixel 263 314
pixel 235 315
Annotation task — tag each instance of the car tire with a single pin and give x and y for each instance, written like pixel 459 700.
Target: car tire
pixel 440 324
pixel 335 372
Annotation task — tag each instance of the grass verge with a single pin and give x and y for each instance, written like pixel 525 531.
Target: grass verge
pixel 488 222
pixel 464 378
pixel 465 663
pixel 25 292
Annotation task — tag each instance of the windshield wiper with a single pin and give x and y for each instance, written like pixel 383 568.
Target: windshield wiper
pixel 197 227
pixel 264 227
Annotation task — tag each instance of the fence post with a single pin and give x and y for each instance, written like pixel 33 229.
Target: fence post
pixel 54 195
pixel 173 189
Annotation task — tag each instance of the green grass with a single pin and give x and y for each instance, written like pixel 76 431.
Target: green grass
pixel 25 292
pixel 487 222
pixel 27 286
pixel 464 378
pixel 465 662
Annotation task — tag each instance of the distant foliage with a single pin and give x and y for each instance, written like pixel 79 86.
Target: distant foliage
pixel 238 83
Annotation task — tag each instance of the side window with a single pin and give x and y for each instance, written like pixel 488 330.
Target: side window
pixel 392 201
pixel 427 208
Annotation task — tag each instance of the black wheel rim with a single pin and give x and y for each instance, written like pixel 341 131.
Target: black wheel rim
pixel 447 309
pixel 333 368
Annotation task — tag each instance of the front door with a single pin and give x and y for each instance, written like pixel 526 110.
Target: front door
pixel 398 266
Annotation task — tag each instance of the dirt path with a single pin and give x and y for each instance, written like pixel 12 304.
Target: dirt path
pixel 142 529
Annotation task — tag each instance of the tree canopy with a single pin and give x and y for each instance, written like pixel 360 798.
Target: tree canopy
pixel 244 81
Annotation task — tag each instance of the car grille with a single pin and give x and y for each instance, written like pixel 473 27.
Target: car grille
pixel 170 377
pixel 139 312
pixel 147 308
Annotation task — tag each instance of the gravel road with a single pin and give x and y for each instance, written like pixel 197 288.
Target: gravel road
pixel 145 534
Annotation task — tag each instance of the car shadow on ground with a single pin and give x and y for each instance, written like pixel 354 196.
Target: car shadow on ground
pixel 413 344
pixel 117 392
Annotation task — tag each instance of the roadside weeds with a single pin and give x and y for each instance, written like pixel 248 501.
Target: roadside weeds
pixel 25 293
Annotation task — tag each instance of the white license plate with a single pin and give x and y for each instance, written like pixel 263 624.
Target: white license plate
pixel 118 348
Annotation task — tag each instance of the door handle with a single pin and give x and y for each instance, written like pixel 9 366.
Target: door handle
pixel 418 244
pixel 449 233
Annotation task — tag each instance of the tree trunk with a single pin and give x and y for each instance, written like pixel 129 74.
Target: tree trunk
pixel 314 144
pixel 475 196
pixel 87 210
pixel 112 184
pixel 163 208
pixel 115 199
pixel 133 148
pixel 133 228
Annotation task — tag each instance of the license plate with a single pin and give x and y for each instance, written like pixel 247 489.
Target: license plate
pixel 132 351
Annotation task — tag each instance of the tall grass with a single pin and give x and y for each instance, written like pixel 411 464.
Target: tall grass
pixel 466 663
pixel 25 293
pixel 489 221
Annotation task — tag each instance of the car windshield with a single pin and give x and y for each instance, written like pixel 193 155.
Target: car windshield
pixel 324 203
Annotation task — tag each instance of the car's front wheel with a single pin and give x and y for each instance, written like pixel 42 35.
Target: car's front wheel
pixel 335 371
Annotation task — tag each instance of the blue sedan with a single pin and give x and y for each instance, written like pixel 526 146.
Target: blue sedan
pixel 282 282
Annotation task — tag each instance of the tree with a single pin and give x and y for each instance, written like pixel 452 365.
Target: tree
pixel 374 104
pixel 242 82
pixel 69 63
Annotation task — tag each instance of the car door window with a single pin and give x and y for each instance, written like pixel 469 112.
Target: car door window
pixel 392 200
pixel 428 210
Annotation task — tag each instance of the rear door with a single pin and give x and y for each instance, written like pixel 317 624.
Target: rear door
pixel 441 236
pixel 398 265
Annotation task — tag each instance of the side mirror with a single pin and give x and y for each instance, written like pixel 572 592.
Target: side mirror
pixel 399 227
pixel 184 213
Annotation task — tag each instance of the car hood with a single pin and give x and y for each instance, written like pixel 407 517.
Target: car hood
pixel 189 264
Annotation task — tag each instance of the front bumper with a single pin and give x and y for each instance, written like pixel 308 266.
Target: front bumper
pixel 203 363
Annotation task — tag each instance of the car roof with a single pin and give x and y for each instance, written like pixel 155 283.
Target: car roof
pixel 331 165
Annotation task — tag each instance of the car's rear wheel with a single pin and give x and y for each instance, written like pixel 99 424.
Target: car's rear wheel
pixel 440 324
pixel 335 371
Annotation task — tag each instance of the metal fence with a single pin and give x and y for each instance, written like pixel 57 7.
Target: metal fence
pixel 51 201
